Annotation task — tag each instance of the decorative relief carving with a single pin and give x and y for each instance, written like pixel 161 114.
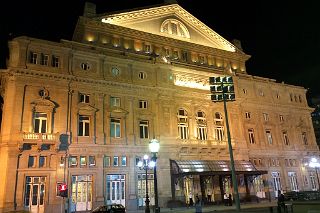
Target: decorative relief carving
pixel 192 82
pixel 43 103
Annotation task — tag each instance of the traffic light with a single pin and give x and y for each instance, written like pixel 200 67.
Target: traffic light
pixel 222 88
pixel 62 190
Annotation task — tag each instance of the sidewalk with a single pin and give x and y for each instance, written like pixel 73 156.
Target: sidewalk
pixel 247 207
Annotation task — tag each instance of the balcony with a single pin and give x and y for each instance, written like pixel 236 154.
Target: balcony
pixel 207 143
pixel 40 139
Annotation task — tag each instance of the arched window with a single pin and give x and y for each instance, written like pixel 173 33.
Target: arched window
pixel 182 123
pixel 175 28
pixel 218 127
pixel 201 125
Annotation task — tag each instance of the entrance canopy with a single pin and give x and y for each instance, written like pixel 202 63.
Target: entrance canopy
pixel 214 167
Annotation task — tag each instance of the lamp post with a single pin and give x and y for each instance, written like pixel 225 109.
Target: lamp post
pixel 315 164
pixel 154 147
pixel 145 165
pixel 222 90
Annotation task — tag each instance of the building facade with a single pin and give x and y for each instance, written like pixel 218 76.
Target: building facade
pixel 315 103
pixel 82 112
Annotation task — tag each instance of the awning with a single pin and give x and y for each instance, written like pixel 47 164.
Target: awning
pixel 214 167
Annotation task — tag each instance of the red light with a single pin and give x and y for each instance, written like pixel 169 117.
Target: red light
pixel 63 187
pixel 62 190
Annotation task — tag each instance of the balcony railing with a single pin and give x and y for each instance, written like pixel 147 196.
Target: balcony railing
pixel 40 141
pixel 208 143
pixel 40 137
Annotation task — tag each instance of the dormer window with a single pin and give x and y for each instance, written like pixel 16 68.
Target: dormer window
pixel 147 48
pixel 175 28
pixel 34 58
pixel 55 61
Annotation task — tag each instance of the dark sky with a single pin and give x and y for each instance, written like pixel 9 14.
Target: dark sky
pixel 282 37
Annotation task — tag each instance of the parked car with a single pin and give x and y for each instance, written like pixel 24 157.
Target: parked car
pixel 111 208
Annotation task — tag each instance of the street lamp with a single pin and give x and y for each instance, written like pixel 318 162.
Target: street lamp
pixel 154 147
pixel 222 90
pixel 315 164
pixel 145 165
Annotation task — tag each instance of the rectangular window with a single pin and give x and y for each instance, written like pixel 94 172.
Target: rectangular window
pixel 42 161
pixel 305 180
pixel 34 58
pixel 32 161
pixel 265 116
pixel 183 130
pixel 106 161
pixel 269 136
pixel 83 160
pixel 44 59
pixel 84 125
pixel 293 181
pixel 313 181
pixel 115 102
pixel 201 59
pixel 144 129
pixel 84 98
pixel 304 138
pixel 184 56
pixel 123 161
pixel 55 61
pixel 138 159
pixel 248 115
pixel 175 54
pixel 261 93
pixel 92 161
pixel 147 48
pixel 115 128
pixel 115 161
pixel 281 118
pixel 285 138
pixel 40 122
pixel 251 136
pixel 73 161
pixel 143 104
pixel 218 133
pixel 202 132
pixel 276 182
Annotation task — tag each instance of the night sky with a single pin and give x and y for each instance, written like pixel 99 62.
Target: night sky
pixel 283 38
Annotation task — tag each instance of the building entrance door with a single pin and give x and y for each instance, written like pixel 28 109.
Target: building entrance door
pixel 142 189
pixel 188 188
pixel 276 182
pixel 81 193
pixel 115 193
pixel 34 194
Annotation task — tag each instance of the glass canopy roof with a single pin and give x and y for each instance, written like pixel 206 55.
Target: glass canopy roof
pixel 185 167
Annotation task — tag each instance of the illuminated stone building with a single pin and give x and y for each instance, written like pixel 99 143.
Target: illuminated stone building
pixel 84 111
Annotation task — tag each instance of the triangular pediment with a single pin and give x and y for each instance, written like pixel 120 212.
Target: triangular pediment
pixel 43 105
pixel 86 109
pixel 170 21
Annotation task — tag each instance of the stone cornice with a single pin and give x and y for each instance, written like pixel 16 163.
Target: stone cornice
pixel 253 78
pixel 75 79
